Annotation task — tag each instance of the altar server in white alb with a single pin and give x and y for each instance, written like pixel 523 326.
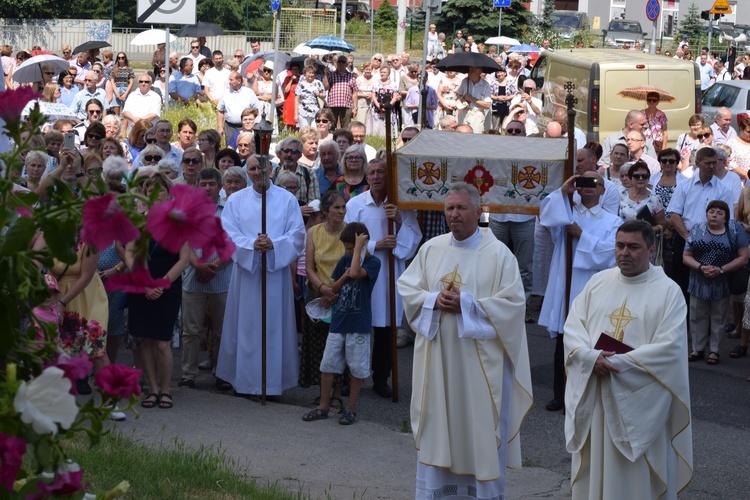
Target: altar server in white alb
pixel 240 354
pixel 464 297
pixel 593 232
pixel 627 419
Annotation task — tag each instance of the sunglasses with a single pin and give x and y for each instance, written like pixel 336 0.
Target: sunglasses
pixel 121 57
pixel 195 47
pixel 668 161
pixel 652 100
pixel 144 81
pixel 95 137
pixel 377 59
pixel 703 136
pixel 266 70
pixel 641 177
pixel 513 131
pixel 152 158
pixel 49 73
pixel 150 141
pixel 94 111
pixel 288 151
pixel 320 120
pixel 192 161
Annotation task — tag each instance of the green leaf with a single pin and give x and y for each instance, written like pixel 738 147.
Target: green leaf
pixel 9 321
pixel 60 240
pixel 18 237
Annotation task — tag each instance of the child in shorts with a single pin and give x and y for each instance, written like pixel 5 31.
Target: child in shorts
pixel 348 341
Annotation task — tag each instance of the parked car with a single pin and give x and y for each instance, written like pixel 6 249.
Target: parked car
pixel 622 31
pixel 731 94
pixel 568 23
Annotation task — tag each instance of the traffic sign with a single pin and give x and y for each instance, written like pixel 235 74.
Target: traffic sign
pixel 653 9
pixel 500 3
pixel 721 7
pixel 166 11
pixel 275 4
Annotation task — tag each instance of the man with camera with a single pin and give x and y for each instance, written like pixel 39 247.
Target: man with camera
pixel 593 231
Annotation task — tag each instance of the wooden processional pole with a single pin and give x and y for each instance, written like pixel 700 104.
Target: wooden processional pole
pixel 391 260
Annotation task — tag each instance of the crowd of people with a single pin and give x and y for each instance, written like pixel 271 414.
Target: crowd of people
pixel 331 228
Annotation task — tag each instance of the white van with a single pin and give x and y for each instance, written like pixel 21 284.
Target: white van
pixel 599 74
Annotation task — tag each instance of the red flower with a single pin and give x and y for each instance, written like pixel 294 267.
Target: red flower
pixel 94 330
pixel 135 281
pixel 65 483
pixel 75 368
pixel 219 243
pixel 189 217
pixel 11 455
pixel 12 103
pixel 104 221
pixel 119 380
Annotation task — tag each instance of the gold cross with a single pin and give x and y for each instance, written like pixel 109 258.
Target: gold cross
pixel 452 277
pixel 620 318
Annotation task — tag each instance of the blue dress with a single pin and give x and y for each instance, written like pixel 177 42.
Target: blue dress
pixel 107 260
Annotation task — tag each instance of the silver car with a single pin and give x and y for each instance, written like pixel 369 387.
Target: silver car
pixel 731 94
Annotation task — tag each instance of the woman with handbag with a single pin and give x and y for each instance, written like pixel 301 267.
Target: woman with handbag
pixel 713 249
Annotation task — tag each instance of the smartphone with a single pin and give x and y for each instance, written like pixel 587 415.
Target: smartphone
pixel 69 141
pixel 587 182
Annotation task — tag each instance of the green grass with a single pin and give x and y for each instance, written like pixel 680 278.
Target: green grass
pixel 170 470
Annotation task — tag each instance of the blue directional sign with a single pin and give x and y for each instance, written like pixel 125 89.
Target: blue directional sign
pixel 275 4
pixel 500 3
pixel 653 9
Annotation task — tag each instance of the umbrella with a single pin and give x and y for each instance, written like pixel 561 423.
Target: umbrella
pixel 523 47
pixel 152 37
pixel 91 45
pixel 309 51
pixel 253 62
pixel 501 40
pixel 52 110
pixel 332 43
pixel 200 29
pixel 462 61
pixel 639 93
pixel 31 70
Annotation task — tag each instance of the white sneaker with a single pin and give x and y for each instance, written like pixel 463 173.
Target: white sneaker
pixel 117 416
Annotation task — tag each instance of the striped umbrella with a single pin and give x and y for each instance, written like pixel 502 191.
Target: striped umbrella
pixel 639 93
pixel 332 43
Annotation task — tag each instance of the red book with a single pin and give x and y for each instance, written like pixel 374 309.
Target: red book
pixel 607 343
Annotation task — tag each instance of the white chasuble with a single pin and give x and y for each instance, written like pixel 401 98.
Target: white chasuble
pixel 629 432
pixel 471 377
pixel 240 352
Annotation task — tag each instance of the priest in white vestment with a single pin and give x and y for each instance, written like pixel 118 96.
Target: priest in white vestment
pixel 239 360
pixel 593 231
pixel 464 298
pixel 627 419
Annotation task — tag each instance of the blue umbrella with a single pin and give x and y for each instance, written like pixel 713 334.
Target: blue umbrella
pixel 525 48
pixel 332 43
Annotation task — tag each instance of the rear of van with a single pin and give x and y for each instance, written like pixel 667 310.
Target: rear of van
pixel 598 76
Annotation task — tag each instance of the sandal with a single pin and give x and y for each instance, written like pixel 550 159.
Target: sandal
pixel 347 417
pixel 316 414
pixel 148 402
pixel 186 382
pixel 713 360
pixel 165 404
pixel 315 403
pixel 529 319
pixel 739 351
pixel 222 385
pixel 696 356
pixel 336 406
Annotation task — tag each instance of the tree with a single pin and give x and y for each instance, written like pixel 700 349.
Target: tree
pixel 691 25
pixel 31 9
pixel 545 22
pixel 479 18
pixel 386 17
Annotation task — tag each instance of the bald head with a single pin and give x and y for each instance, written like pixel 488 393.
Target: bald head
pixel 464 129
pixel 635 120
pixel 553 130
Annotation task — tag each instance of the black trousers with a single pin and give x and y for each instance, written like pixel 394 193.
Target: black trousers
pixel 680 272
pixel 381 355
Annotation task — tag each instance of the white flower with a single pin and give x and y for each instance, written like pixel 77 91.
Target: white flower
pixel 46 401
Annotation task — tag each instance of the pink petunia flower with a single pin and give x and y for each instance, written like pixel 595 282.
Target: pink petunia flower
pixel 11 459
pixel 65 483
pixel 12 103
pixel 219 243
pixel 104 221
pixel 189 217
pixel 136 281
pixel 119 380
pixel 75 368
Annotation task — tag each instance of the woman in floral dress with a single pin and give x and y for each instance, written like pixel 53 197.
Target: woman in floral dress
pixel 307 93
pixel 657 122
pixel 377 112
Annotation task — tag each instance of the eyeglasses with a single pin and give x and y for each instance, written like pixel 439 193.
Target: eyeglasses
pixel 89 80
pixel 641 177
pixel 322 120
pixel 94 111
pixel 357 158
pixel 243 145
pixel 289 151
pixel 668 161
pixel 153 158
pixel 704 136
pixel 633 140
pixel 652 100
pixel 95 137
pixel 49 73
pixel 513 131
pixel 121 57
pixel 291 188
pixel 151 141
pixel 192 161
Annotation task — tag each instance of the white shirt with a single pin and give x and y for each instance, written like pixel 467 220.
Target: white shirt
pixel 531 115
pixel 195 61
pixel 691 198
pixel 433 80
pixel 217 81
pixel 480 90
pixel 734 183
pixel 719 136
pixel 234 102
pixel 140 104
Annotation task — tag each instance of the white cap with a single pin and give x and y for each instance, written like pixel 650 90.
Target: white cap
pixel 315 205
pixel 268 64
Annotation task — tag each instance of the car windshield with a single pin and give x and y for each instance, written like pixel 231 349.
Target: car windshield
pixel 565 21
pixel 625 26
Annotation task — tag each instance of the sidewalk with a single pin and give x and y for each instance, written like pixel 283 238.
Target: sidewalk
pixel 322 459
